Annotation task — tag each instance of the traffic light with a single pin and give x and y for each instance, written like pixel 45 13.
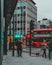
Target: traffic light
pixel 31 25
pixel 17 36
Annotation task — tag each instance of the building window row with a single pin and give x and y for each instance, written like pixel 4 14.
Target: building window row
pixel 21 3
pixel 23 7
pixel 21 31
pixel 19 11
pixel 18 22
pixel 31 16
pixel 17 28
pixel 32 11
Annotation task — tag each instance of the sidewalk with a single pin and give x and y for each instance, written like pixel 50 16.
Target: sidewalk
pixel 35 50
pixel 25 60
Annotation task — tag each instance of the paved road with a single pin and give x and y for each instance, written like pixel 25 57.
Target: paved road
pixel 25 60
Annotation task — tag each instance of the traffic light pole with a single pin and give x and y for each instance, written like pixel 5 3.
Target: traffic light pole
pixel 5 37
pixel 30 44
pixel 13 36
pixel 31 29
pixel 30 41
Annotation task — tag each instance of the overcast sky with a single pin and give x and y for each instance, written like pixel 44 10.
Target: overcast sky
pixel 44 9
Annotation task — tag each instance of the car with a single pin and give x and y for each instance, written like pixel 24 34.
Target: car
pixel 38 44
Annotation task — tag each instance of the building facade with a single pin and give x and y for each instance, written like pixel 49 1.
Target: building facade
pixel 25 11
pixel 44 23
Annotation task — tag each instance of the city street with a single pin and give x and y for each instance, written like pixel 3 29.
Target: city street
pixel 23 30
pixel 25 60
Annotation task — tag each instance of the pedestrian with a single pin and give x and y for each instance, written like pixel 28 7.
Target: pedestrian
pixel 43 47
pixel 19 47
pixel 10 45
pixel 49 49
pixel 7 45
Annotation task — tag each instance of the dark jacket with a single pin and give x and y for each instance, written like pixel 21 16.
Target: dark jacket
pixel 18 43
pixel 50 46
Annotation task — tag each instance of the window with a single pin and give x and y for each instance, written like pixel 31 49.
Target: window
pixel 42 26
pixel 19 18
pixel 24 7
pixel 18 14
pixel 18 7
pixel 15 12
pixel 22 3
pixel 24 10
pixel 19 11
pixel 18 28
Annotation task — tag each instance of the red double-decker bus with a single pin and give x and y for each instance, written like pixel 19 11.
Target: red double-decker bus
pixel 39 35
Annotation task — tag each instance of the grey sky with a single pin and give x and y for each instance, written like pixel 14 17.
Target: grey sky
pixel 44 9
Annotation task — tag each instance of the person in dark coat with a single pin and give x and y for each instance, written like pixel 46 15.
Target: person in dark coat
pixel 43 47
pixel 19 47
pixel 44 50
pixel 10 45
pixel 49 49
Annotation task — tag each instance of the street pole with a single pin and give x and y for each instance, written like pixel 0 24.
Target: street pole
pixel 0 35
pixel 13 36
pixel 1 31
pixel 30 40
pixel 5 36
pixel 24 23
pixel 31 33
pixel 10 34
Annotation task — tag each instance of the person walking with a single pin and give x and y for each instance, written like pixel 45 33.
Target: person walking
pixel 49 49
pixel 10 45
pixel 19 47
pixel 43 47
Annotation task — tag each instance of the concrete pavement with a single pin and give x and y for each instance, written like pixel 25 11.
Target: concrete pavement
pixel 25 60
